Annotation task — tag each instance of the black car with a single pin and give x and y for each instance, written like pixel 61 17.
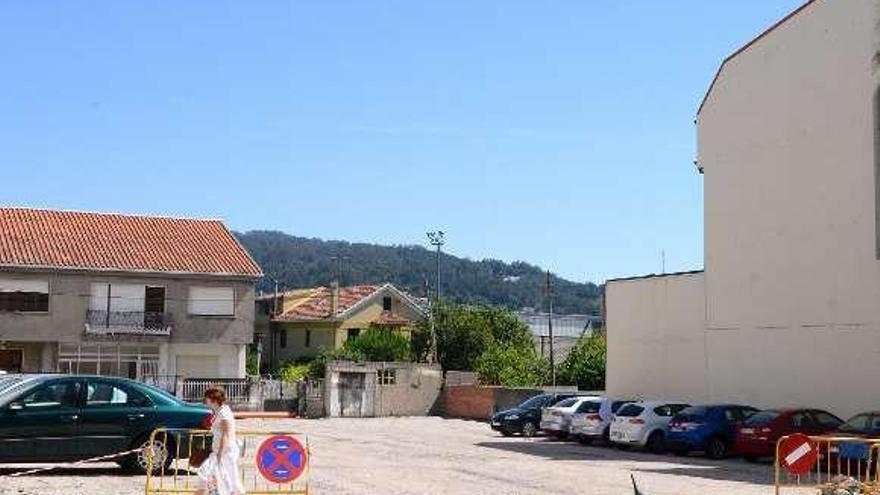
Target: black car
pixel 525 417
pixel 58 418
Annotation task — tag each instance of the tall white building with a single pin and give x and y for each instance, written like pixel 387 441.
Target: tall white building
pixel 787 311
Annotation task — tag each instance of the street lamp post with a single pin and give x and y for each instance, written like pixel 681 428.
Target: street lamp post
pixel 437 239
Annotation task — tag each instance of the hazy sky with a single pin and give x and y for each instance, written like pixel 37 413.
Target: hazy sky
pixel 559 133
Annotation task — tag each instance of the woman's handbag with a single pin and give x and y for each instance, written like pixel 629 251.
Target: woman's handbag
pixel 198 456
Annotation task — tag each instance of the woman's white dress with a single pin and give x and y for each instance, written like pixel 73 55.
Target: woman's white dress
pixel 220 472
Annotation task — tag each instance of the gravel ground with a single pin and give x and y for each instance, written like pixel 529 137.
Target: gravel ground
pixel 419 456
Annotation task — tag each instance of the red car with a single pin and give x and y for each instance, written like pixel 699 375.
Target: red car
pixel 757 437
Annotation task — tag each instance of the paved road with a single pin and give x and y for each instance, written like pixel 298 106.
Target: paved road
pixel 420 456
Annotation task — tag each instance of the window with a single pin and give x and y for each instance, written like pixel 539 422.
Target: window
pixel 667 410
pixel 107 394
pixel 630 411
pixel 565 403
pixel 26 296
pixel 308 338
pixel 618 404
pixel 282 338
pixel 856 424
pixel 589 406
pixel 353 333
pixel 386 303
pixel 54 396
pixel 800 420
pixel 826 420
pixel 387 377
pixel 211 301
pixel 762 418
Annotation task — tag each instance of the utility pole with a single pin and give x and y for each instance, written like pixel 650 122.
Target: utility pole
pixel 437 239
pixel 548 291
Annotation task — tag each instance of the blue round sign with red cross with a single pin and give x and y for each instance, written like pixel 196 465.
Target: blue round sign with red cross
pixel 281 459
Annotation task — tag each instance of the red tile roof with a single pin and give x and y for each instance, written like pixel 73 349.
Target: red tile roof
pixel 104 241
pixel 316 304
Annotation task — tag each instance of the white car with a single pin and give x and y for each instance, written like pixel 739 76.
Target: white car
pixel 592 419
pixel 644 423
pixel 555 419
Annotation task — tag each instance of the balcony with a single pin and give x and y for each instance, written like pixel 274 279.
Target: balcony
pixel 100 322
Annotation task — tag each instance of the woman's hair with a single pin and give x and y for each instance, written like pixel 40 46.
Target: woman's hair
pixel 216 394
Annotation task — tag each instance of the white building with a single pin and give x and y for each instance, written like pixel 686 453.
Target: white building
pixel 787 311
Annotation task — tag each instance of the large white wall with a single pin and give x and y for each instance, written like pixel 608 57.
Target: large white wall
pixel 656 338
pixel 786 140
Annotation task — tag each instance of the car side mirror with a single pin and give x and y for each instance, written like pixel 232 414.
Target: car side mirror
pixel 15 406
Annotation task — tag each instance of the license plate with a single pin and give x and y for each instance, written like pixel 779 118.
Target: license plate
pixel 616 435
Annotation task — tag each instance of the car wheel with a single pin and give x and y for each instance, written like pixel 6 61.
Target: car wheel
pixel 655 443
pixel 138 461
pixel 716 448
pixel 529 429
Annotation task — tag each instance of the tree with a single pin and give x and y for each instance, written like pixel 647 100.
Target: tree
pixel 585 364
pixel 512 367
pixel 381 344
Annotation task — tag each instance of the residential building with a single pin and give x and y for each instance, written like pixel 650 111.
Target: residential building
pixel 301 323
pixel 567 330
pixel 123 295
pixel 788 308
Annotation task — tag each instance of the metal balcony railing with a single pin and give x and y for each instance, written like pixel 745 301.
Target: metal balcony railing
pixel 127 322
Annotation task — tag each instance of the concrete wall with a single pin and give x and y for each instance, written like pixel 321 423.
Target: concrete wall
pixel 414 393
pixel 787 142
pixel 656 338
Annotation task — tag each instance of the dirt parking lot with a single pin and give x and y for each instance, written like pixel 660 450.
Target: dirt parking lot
pixel 418 456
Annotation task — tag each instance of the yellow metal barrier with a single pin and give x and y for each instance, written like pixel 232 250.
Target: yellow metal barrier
pixel 169 472
pixel 844 466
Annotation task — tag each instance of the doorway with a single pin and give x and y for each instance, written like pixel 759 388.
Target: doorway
pixel 11 359
pixel 351 395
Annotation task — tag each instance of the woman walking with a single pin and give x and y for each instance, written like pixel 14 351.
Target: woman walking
pixel 220 473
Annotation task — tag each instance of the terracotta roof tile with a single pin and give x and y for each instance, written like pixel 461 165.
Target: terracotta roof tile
pixel 316 304
pixel 104 241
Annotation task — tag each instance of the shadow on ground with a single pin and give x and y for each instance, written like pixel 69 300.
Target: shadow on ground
pixel 81 471
pixel 643 462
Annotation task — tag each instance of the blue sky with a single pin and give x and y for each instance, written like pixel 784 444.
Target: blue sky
pixel 558 133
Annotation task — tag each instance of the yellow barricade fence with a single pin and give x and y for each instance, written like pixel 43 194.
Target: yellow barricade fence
pixel 842 466
pixel 271 462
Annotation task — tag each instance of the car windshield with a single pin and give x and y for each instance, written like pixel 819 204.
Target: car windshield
pixel 536 401
pixel 618 404
pixel 630 411
pixel 856 424
pixel 762 418
pixel 566 403
pixel 589 407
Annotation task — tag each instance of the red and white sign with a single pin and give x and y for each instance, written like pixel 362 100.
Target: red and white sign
pixel 798 454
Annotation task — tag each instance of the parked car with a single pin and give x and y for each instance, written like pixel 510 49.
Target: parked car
pixel 757 437
pixel 592 419
pixel 710 429
pixel 555 419
pixel 644 424
pixel 853 456
pixel 60 418
pixel 526 417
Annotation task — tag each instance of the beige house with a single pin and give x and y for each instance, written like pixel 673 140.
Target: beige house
pixel 787 311
pixel 301 323
pixel 123 295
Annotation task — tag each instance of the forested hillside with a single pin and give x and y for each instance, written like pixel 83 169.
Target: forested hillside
pixel 304 262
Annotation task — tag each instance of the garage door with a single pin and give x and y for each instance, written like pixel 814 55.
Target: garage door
pixel 198 366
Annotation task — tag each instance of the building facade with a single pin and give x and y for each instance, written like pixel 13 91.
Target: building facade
pixel 299 324
pixel 123 295
pixel 787 310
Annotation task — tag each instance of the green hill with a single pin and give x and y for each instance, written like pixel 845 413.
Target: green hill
pixel 305 262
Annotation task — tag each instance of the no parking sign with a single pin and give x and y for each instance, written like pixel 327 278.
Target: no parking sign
pixel 281 459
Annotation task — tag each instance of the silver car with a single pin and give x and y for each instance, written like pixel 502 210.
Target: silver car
pixel 592 419
pixel 555 420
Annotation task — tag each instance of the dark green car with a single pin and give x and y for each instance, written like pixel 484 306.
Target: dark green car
pixel 57 418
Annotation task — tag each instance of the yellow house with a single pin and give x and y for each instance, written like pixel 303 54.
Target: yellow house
pixel 303 322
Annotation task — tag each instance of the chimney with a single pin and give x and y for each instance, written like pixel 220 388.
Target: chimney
pixel 334 298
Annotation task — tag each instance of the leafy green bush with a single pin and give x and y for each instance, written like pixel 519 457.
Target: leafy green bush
pixel 511 366
pixel 585 364
pixel 379 344
pixel 293 371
